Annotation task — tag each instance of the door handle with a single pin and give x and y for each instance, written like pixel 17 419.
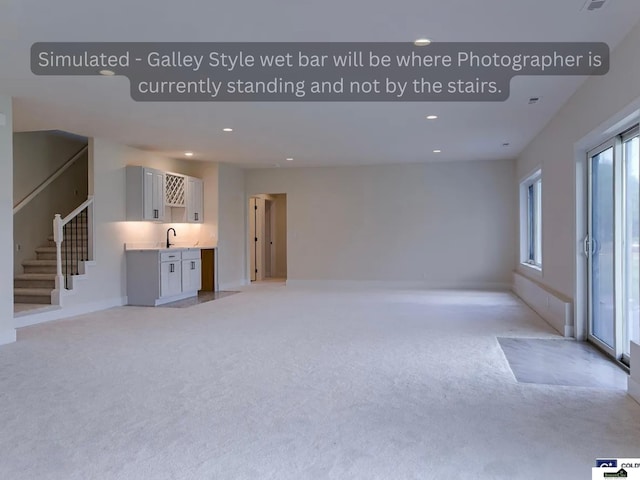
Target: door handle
pixel 590 246
pixel 585 246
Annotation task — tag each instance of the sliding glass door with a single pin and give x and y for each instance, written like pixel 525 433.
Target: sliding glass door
pixel 600 248
pixel 631 260
pixel 612 245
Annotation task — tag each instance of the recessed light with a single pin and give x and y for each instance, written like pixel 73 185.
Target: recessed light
pixel 188 154
pixel 289 159
pixel 432 117
pixel 422 42
pixel 107 73
pixel 437 151
pixel 227 129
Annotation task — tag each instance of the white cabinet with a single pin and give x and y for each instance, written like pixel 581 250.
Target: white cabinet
pixel 160 276
pixel 191 270
pixel 195 200
pixel 170 277
pixel 151 193
pixel 145 194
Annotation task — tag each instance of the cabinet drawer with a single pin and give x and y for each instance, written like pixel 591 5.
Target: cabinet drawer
pixel 170 256
pixel 192 254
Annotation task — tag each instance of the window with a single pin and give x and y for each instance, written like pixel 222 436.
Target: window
pixel 531 220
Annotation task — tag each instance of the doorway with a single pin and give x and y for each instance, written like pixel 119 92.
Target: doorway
pixel 612 244
pixel 268 237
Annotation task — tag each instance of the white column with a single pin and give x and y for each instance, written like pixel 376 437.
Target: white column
pixel 7 329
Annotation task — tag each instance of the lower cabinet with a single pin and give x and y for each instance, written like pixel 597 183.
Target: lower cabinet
pixel 191 275
pixel 170 279
pixel 155 277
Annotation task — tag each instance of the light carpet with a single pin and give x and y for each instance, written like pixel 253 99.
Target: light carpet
pixel 281 383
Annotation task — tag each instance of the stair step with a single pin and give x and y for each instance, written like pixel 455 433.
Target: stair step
pixel 46 253
pixel 39 266
pixel 35 280
pixel 49 253
pixel 32 295
pixel 51 263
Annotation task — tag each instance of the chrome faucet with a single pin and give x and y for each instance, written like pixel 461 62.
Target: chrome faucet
pixel 174 234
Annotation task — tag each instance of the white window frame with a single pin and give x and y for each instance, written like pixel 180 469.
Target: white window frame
pixel 531 221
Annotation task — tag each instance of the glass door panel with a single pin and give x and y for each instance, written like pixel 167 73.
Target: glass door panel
pixel 631 264
pixel 602 248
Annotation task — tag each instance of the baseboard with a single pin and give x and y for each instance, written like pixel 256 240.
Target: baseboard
pixel 397 285
pixel 633 389
pixel 552 307
pixel 8 336
pixel 67 312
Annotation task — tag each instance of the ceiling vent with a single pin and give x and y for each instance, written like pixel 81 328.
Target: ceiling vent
pixel 593 5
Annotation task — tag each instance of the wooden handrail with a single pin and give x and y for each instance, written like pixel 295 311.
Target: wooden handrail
pixel 22 203
pixel 75 213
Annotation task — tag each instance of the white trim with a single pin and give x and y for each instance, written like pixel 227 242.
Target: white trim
pixel 523 220
pixel 534 270
pixel 8 336
pixel 398 284
pixel 67 312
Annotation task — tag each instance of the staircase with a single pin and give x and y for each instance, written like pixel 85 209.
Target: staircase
pixel 38 282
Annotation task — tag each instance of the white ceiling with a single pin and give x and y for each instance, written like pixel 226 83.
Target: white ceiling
pixel 314 133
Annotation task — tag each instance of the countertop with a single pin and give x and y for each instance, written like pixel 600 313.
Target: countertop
pixel 161 248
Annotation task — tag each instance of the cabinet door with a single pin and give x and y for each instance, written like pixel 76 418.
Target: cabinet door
pixel 195 200
pixel 170 279
pixel 152 194
pixel 148 208
pixel 191 275
pixel 158 195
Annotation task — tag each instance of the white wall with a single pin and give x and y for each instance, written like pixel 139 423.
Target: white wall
pixel 437 224
pixel 232 236
pixel 105 284
pixel 598 99
pixel 37 155
pixel 7 330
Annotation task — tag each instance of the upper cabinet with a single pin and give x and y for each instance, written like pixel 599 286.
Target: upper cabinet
pixel 145 194
pixel 195 200
pixel 164 196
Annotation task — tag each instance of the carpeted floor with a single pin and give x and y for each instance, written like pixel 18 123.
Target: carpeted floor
pixel 278 383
